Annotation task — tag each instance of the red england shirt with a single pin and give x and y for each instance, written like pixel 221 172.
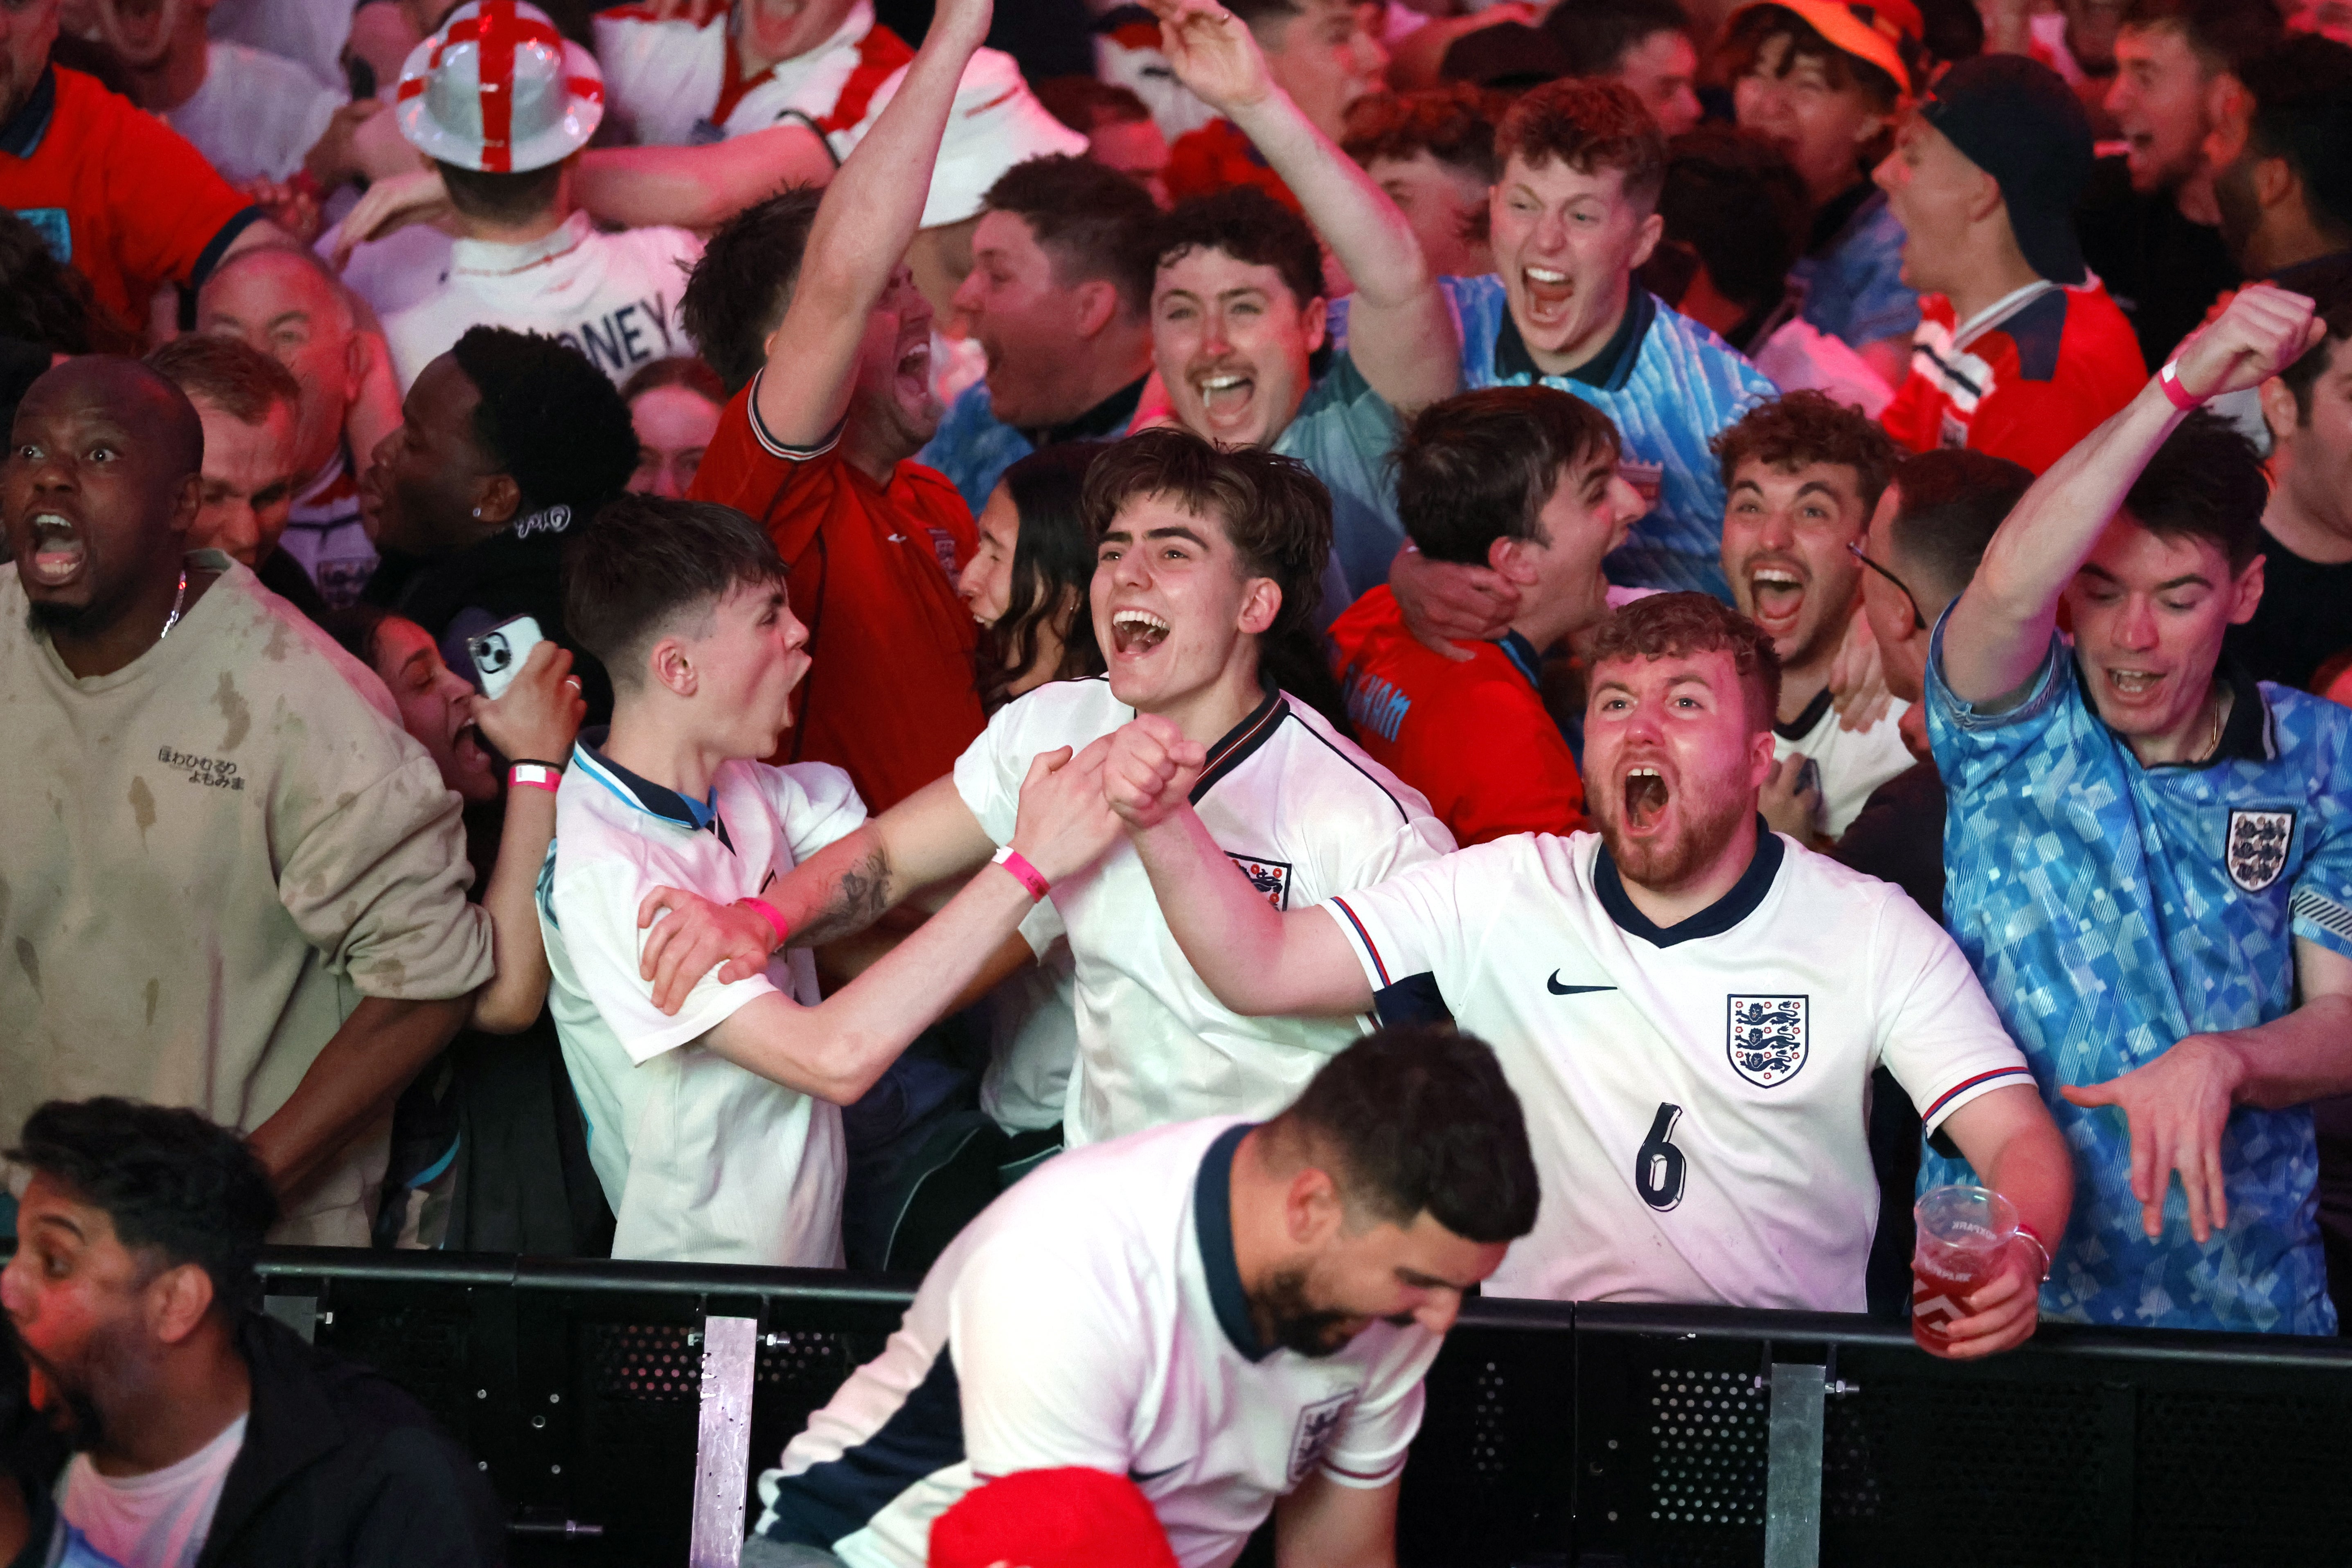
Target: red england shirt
pixel 116 192
pixel 1474 737
pixel 2025 380
pixel 891 694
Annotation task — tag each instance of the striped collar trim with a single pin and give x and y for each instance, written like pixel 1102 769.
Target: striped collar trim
pixel 644 794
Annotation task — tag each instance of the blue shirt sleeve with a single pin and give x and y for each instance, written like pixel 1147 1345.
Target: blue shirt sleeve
pixel 1971 742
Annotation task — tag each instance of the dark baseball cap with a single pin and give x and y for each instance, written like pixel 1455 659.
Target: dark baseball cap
pixel 2017 119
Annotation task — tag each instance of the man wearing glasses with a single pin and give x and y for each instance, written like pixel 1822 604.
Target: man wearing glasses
pixel 1802 475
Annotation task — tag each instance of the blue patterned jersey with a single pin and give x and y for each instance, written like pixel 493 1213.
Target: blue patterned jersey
pixel 973 447
pixel 1344 431
pixel 1853 286
pixel 2112 909
pixel 1670 385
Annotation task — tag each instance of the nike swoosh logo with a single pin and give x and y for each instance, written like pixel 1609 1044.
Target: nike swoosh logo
pixel 1140 1477
pixel 1556 989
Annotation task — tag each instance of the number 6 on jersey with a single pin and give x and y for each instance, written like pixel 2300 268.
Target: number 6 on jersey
pixel 1658 1166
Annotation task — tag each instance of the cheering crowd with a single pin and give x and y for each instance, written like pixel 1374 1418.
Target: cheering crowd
pixel 1219 671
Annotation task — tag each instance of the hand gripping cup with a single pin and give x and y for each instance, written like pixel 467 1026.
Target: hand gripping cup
pixel 1964 1234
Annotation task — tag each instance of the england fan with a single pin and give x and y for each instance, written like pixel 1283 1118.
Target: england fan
pixel 1804 474
pixel 525 255
pixel 2150 853
pixel 1203 556
pixel 1236 1317
pixel 1573 213
pixel 714 1129
pixel 1689 1006
pixel 1238 308
pixel 805 306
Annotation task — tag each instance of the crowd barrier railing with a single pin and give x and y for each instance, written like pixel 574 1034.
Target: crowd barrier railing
pixel 622 1409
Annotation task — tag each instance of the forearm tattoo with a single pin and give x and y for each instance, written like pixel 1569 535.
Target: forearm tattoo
pixel 859 898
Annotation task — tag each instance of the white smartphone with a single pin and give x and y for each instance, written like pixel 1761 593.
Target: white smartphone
pixel 499 652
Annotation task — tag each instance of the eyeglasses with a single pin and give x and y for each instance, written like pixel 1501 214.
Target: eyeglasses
pixel 1918 621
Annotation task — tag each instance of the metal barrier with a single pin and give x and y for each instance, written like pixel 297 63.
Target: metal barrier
pixel 1598 1436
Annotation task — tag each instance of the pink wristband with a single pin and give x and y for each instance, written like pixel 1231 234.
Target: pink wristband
pixel 767 911
pixel 2182 399
pixel 533 775
pixel 1023 872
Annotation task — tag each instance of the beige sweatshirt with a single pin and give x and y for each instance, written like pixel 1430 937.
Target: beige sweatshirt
pixel 207 858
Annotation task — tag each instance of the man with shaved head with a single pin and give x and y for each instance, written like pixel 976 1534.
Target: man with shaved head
pixel 286 303
pixel 246 894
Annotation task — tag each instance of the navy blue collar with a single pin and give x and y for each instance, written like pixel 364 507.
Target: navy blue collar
pixel 1609 370
pixel 655 800
pixel 1212 1227
pixel 1719 917
pixel 1523 657
pixel 1238 744
pixel 21 137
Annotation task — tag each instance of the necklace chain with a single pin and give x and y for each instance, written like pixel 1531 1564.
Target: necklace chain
pixel 178 599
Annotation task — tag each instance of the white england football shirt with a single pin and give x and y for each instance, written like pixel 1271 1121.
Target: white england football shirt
pixel 703 1161
pixel 614 297
pixel 1696 1096
pixel 256 116
pixel 1853 763
pixel 1299 807
pixel 1095 1316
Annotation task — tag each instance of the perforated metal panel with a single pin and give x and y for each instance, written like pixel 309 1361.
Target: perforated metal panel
pixel 1707 1432
pixel 647 1363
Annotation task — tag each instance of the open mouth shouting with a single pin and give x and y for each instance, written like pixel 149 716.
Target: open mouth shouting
pixel 1228 395
pixel 913 376
pixel 2134 687
pixel 1550 292
pixel 1777 595
pixel 1135 633
pixel 1646 796
pixel 59 551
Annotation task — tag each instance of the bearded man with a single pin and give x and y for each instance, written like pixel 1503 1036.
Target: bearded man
pixel 1688 1006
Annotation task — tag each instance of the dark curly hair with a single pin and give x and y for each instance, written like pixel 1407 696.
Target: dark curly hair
pixel 1453 123
pixel 1734 200
pixel 2205 482
pixel 1676 626
pixel 738 293
pixel 1248 226
pixel 548 418
pixel 1419 1120
pixel 1808 426
pixel 1588 125
pixel 1274 512
pixel 170 1182
pixel 1093 222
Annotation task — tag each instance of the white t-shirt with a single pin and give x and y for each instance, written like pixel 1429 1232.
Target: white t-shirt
pixel 1094 1316
pixel 614 297
pixel 257 115
pixel 663 79
pixel 1853 763
pixel 703 1161
pixel 159 1520
pixel 1698 1121
pixel 1298 807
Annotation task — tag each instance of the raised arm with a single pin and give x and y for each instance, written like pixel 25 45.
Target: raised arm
pixel 535 721
pixel 1999 629
pixel 1258 960
pixel 835 1050
pixel 860 239
pixel 1400 331
pixel 698 187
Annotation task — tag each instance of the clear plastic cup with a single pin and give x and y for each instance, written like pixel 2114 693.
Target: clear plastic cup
pixel 1964 1233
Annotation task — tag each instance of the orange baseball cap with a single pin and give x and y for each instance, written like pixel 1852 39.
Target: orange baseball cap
pixel 1887 33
